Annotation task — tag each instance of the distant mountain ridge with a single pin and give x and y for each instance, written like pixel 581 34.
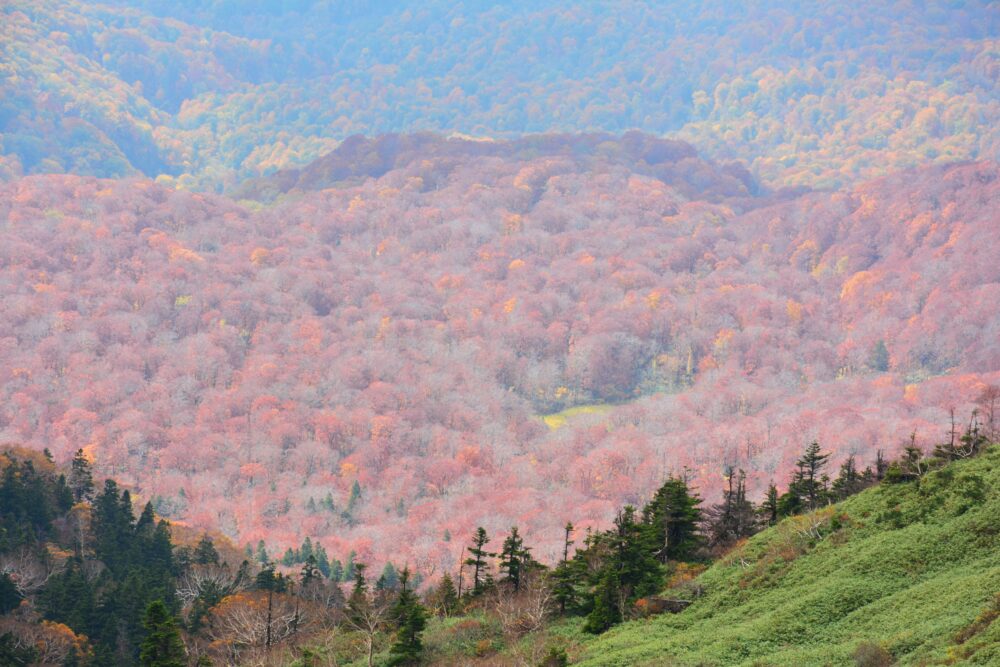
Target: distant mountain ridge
pixel 207 94
pixel 360 157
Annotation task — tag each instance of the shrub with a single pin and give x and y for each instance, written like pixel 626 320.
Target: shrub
pixel 870 654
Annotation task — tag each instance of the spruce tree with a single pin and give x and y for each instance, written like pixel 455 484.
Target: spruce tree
pixel 606 610
pixel 205 552
pixel 355 498
pixel 565 575
pixel 808 483
pixel 515 560
pixel 477 560
pixel 389 579
pixel 445 598
pixel 162 646
pixel 322 560
pixel 81 479
pixel 733 518
pixel 358 601
pixel 637 570
pixel 410 618
pixel 310 573
pixel 849 481
pixel 768 510
pixel 672 518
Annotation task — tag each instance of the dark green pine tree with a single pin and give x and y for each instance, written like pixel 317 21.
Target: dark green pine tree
pixel 768 510
pixel 162 646
pixel 310 573
pixel 354 499
pixel 10 598
pixel 13 654
pixel 410 618
pixel 358 601
pixel 81 479
pixel 477 561
pixel 515 560
pixel 733 518
pixel 205 553
pixel 389 579
pixel 113 527
pixel 808 483
pixel 445 598
pixel 349 567
pixel 606 610
pixel 322 560
pixel 566 574
pixel 636 568
pixel 306 550
pixel 671 519
pixel 849 481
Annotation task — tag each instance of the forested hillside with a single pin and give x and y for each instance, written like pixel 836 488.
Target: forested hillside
pixel 209 93
pixel 899 575
pixel 458 334
pixel 837 573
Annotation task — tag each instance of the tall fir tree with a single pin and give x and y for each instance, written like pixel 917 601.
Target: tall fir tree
pixel 565 575
pixel 445 598
pixel 410 618
pixel 733 518
pixel 849 481
pixel 162 646
pixel 808 483
pixel 514 560
pixel 477 560
pixel 81 479
pixel 672 519
pixel 606 610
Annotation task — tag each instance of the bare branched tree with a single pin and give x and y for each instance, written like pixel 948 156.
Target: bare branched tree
pixel 370 618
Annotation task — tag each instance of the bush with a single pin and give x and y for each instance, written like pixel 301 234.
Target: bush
pixel 870 654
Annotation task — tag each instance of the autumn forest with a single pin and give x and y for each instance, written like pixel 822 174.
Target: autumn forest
pixel 301 297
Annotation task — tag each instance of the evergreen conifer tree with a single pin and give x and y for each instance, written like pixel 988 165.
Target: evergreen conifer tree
pixel 606 611
pixel 515 559
pixel 672 518
pixel 162 646
pixel 81 479
pixel 477 561
pixel 410 618
pixel 564 575
pixel 445 597
pixel 205 552
pixel 808 483
pixel 733 518
pixel 769 508
pixel 849 481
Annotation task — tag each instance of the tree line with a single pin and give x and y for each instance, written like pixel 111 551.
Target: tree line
pixel 85 581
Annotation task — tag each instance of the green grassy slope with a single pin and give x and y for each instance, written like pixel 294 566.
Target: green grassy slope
pixel 913 568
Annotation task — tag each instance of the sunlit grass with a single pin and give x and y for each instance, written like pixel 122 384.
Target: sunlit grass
pixel 559 419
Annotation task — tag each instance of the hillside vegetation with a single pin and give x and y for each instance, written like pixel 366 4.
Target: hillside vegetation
pixel 209 93
pixel 364 358
pixel 909 573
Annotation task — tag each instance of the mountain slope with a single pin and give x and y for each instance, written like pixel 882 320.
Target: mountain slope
pixel 248 366
pixel 818 94
pixel 911 568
